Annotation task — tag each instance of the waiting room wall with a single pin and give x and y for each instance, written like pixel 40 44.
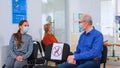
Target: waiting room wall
pixel 7 28
pixel 91 7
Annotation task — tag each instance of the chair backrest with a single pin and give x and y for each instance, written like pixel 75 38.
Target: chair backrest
pixel 41 48
pixel 34 52
pixel 104 55
pixel 65 52
pixel 42 45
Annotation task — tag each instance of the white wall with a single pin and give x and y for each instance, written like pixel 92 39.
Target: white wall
pixel 118 7
pixel 7 28
pixel 55 9
pixel 107 19
pixel 35 18
pixel 3 54
pixel 91 7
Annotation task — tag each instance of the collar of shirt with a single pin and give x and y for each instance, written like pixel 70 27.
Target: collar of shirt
pixel 91 31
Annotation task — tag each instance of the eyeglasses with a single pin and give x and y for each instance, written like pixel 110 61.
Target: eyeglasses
pixel 81 22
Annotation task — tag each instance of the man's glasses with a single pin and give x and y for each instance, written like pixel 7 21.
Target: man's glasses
pixel 81 22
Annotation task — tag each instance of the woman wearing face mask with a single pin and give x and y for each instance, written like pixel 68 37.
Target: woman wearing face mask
pixel 21 47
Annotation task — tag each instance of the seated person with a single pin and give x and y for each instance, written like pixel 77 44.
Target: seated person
pixel 89 49
pixel 21 47
pixel 48 38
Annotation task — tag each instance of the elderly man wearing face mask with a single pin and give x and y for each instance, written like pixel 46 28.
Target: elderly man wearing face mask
pixel 89 49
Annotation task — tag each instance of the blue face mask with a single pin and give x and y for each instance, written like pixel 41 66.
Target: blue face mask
pixel 25 29
pixel 80 28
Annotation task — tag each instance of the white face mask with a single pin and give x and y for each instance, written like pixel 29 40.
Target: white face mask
pixel 26 29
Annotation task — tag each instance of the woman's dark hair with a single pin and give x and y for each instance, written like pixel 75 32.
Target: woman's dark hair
pixel 18 35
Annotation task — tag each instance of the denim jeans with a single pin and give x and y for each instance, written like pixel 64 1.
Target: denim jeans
pixel 82 64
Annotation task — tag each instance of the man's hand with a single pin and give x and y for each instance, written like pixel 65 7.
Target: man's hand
pixel 71 59
pixel 19 58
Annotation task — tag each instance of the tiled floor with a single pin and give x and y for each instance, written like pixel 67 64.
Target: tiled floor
pixel 112 62
pixel 110 66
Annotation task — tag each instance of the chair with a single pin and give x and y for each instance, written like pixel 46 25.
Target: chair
pixel 41 50
pixel 65 53
pixel 104 56
pixel 3 66
pixel 41 60
pixel 48 51
pixel 31 61
pixel 42 45
pixel 33 57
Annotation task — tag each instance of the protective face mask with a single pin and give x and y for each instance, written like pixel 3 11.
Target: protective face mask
pixel 25 29
pixel 80 28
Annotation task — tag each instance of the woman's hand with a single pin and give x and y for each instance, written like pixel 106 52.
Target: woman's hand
pixel 19 58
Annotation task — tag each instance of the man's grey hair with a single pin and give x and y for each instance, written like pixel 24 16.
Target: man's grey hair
pixel 88 18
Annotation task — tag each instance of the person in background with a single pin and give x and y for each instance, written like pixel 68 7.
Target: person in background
pixel 89 49
pixel 48 38
pixel 106 43
pixel 21 47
